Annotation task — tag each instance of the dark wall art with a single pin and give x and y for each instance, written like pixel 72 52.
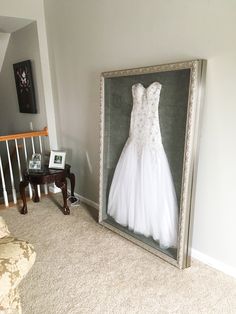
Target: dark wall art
pixel 25 86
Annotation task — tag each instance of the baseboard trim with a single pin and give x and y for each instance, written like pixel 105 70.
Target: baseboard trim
pixel 86 200
pixel 210 261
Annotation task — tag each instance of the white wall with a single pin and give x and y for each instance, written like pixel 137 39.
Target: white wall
pixel 88 37
pixel 23 45
pixel 34 10
pixel 4 39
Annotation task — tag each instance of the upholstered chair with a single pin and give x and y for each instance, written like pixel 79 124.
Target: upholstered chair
pixel 16 259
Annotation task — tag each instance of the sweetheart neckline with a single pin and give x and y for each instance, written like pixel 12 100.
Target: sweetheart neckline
pixel 146 88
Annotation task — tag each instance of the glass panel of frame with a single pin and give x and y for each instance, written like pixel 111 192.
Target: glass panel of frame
pixel 149 144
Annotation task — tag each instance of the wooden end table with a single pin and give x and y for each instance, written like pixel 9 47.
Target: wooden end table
pixel 57 176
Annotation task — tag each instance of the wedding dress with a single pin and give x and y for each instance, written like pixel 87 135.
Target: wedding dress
pixel 142 195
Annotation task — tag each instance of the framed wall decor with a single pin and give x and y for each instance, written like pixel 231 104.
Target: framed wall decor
pixel 149 146
pixel 57 159
pixel 25 86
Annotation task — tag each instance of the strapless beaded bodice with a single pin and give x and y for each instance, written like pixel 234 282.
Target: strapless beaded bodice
pixel 145 126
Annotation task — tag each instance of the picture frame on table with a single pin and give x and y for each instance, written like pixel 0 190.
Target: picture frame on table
pixel 36 157
pixel 176 91
pixel 57 159
pixel 35 165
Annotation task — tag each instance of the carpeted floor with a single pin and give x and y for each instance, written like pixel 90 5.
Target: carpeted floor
pixel 82 267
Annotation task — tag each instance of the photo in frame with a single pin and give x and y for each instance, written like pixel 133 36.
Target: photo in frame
pixel 35 163
pixel 25 86
pixel 149 146
pixel 57 159
pixel 36 157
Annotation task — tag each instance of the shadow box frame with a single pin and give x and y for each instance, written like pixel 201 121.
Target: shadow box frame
pixel 113 86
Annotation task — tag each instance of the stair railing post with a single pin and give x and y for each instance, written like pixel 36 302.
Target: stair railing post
pixel 11 175
pixel 33 149
pixel 41 152
pixel 3 185
pixel 26 160
pixel 18 160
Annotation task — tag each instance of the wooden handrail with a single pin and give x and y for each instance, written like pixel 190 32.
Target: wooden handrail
pixel 17 136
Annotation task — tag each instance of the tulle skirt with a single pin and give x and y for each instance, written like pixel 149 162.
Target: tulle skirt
pixel 142 195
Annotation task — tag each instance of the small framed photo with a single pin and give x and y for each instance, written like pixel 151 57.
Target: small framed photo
pixel 36 157
pixel 57 160
pixel 35 165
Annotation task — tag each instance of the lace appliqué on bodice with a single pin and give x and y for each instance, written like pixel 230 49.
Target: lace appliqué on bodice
pixel 145 126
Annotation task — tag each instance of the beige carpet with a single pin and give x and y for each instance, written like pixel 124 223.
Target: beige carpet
pixel 82 267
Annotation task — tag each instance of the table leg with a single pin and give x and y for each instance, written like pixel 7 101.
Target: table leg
pixel 23 185
pixel 36 195
pixel 71 176
pixel 72 183
pixel 63 186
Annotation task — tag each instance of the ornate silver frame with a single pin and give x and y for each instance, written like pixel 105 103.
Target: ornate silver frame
pixel 196 90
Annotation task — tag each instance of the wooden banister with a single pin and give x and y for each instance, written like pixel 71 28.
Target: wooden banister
pixel 17 136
